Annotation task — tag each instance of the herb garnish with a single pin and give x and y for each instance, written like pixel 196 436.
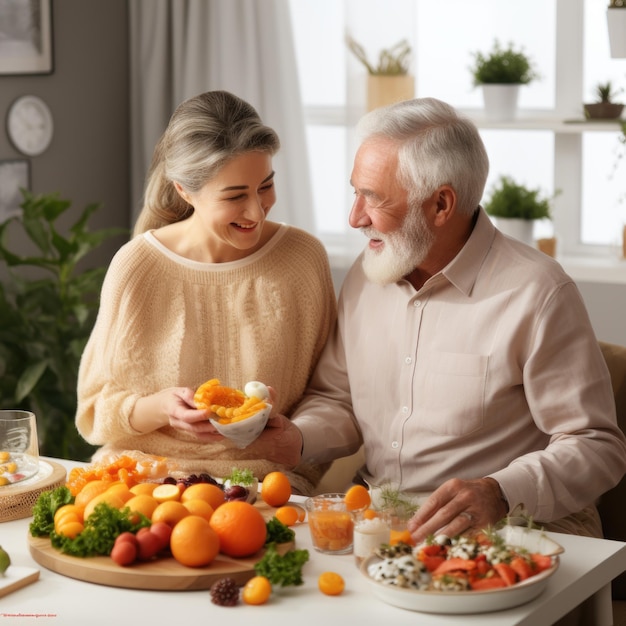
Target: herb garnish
pixel 242 477
pixel 44 509
pixel 277 532
pixel 282 570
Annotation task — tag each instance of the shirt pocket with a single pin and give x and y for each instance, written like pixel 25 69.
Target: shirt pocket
pixel 451 400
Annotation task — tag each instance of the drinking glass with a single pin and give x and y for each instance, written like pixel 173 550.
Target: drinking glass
pixel 330 523
pixel 19 447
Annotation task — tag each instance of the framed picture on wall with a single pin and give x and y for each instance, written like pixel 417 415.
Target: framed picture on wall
pixel 25 37
pixel 14 175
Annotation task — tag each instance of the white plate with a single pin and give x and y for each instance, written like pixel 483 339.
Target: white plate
pixel 459 602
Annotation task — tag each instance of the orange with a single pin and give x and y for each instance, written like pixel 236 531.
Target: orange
pixel 68 508
pixel 288 515
pixel 90 490
pixel 166 493
pixel 69 517
pixel 193 542
pixel 143 504
pixel 370 514
pixel 330 583
pixel 121 490
pixel 70 528
pixel 111 499
pixel 141 489
pixel 199 507
pixel 170 512
pixel 357 497
pixel 276 489
pixel 240 527
pixel 301 512
pixel 204 491
pixel 257 590
pixel 401 536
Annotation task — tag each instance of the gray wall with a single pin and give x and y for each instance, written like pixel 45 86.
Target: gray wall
pixel 88 94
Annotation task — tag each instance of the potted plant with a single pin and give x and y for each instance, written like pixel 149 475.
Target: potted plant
pixel 388 80
pixel 516 207
pixel 48 305
pixel 500 72
pixel 616 21
pixel 604 107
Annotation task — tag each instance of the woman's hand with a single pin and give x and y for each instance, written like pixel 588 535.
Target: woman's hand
pixel 173 407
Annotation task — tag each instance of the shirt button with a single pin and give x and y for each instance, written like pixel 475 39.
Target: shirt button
pixel 408 360
pixel 417 304
pixel 405 409
pixel 395 445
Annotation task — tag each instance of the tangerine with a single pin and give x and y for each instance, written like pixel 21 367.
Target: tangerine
pixel 288 515
pixel 193 542
pixel 111 499
pixel 330 583
pixel 92 489
pixel 143 503
pixel 204 491
pixel 240 527
pixel 68 508
pixel 357 497
pixel 121 490
pixel 199 507
pixel 70 528
pixel 141 489
pixel 276 489
pixel 257 590
pixel 170 512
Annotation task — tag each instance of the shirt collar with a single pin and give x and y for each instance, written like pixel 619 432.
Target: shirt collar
pixel 462 271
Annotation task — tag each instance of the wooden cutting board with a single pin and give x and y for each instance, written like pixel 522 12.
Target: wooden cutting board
pixel 17 577
pixel 161 574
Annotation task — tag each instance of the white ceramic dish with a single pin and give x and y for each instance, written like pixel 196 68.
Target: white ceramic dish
pixel 459 602
pixel 243 433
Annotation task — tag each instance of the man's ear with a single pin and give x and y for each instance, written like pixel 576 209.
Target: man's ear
pixel 445 204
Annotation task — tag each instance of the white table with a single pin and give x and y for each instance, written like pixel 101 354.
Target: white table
pixel 587 567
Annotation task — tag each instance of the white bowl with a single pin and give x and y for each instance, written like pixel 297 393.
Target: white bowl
pixel 459 602
pixel 244 432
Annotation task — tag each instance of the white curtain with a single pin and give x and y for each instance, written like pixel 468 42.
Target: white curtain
pixel 180 48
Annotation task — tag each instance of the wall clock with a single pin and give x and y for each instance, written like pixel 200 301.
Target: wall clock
pixel 30 125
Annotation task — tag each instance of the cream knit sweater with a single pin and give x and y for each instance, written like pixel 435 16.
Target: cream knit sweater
pixel 165 321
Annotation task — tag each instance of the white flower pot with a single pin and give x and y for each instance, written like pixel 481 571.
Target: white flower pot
pixel 500 102
pixel 519 229
pixel 616 21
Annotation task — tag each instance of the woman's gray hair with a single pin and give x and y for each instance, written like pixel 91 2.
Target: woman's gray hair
pixel 437 146
pixel 204 133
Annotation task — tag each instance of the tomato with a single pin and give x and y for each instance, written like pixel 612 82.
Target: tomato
pixel 506 572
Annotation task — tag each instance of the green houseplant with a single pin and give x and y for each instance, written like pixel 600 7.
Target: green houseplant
pixel 605 106
pixel 48 306
pixel 388 79
pixel 499 73
pixel 515 208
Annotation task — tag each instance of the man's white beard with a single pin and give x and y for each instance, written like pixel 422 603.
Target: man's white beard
pixel 402 251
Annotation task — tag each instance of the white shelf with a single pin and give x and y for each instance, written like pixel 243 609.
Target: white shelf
pixel 572 126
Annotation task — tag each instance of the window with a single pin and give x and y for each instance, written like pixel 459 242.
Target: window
pixel 567 40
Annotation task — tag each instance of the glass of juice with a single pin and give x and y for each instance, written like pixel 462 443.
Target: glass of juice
pixel 330 523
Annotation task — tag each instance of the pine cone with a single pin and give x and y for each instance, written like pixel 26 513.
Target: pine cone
pixel 225 592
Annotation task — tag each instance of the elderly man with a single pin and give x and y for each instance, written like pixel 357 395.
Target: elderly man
pixel 462 359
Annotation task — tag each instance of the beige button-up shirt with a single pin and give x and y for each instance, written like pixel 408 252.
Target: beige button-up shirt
pixel 490 369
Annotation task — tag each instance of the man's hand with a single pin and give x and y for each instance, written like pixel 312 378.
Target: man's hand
pixel 280 442
pixel 459 506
